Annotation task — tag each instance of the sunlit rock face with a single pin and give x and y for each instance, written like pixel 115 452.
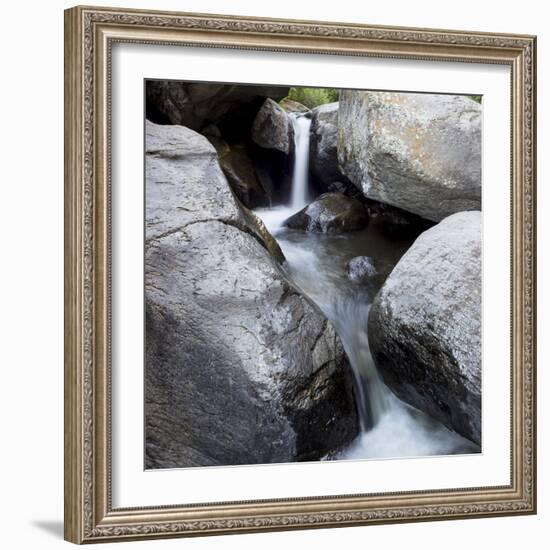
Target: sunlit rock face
pixel 425 325
pixel 419 152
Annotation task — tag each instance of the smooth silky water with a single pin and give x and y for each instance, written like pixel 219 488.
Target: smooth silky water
pixel 301 125
pixel 317 263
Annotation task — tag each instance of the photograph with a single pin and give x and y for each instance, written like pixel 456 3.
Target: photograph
pixel 300 271
pixel 312 274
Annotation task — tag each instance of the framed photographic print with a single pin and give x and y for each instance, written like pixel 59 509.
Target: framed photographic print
pixel 300 274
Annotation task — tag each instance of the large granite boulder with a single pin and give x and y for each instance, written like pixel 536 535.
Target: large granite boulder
pixel 419 152
pixel 240 367
pixel 197 105
pixel 330 213
pixel 272 128
pixel 425 325
pixel 323 154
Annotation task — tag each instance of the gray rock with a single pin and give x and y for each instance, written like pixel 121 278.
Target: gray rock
pixel 425 325
pixel 323 154
pixel 395 222
pixel 291 106
pixel 330 213
pixel 419 152
pixel 240 367
pixel 196 105
pixel 272 128
pixel 180 166
pixel 361 269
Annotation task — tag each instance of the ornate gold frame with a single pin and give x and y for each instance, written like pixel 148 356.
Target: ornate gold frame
pixel 89 34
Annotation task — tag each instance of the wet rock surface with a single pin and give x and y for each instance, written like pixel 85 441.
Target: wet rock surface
pixel 237 163
pixel 330 213
pixel 361 269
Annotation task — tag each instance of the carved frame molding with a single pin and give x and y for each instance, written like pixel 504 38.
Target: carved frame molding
pixel 89 35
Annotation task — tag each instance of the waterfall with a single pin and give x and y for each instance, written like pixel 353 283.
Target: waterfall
pixel 301 124
pixel 317 265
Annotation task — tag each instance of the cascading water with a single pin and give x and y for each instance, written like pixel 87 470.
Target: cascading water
pixel 300 124
pixel 317 265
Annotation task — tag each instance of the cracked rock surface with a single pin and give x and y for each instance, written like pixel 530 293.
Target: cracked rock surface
pixel 240 367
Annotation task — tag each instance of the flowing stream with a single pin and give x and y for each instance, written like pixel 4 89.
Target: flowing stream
pixel 317 265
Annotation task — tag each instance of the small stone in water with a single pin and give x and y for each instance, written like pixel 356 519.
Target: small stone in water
pixel 360 269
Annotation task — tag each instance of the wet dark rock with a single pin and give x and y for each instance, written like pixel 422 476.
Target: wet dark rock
pixel 330 213
pixel 274 172
pixel 239 168
pixel 241 368
pixel 344 187
pixel 260 230
pixel 395 222
pixel 425 325
pixel 361 269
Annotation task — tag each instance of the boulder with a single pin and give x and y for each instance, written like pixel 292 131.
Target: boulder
pixel 424 326
pixel 272 128
pixel 361 269
pixel 330 213
pixel 419 152
pixel 239 169
pixel 323 154
pixel 241 368
pixel 196 105
pixel 291 106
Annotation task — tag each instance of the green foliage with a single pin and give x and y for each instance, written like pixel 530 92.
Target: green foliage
pixel 475 98
pixel 313 97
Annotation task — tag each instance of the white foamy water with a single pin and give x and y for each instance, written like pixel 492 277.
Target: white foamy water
pixel 401 431
pixel 274 217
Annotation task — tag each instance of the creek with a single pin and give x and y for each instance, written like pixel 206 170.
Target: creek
pixel 316 263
